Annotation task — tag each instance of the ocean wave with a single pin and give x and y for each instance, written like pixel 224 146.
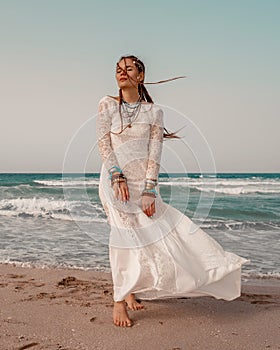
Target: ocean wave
pixel 54 209
pixel 88 211
pixel 233 225
pixel 238 190
pixel 46 265
pixel 226 187
pixel 62 183
pixel 261 275
pixel 231 182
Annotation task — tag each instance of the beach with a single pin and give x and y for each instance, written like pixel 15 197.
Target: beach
pixel 56 286
pixel 62 308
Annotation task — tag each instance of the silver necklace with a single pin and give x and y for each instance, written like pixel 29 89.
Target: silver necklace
pixel 130 110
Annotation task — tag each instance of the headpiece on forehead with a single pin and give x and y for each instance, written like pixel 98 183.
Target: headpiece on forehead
pixel 139 65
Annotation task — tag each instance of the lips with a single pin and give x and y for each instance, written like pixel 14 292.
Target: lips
pixel 123 79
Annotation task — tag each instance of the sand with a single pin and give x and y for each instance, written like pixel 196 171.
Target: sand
pixel 72 309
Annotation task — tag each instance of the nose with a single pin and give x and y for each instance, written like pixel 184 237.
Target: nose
pixel 123 73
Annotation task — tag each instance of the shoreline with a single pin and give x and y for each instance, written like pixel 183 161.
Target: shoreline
pixel 247 278
pixel 69 308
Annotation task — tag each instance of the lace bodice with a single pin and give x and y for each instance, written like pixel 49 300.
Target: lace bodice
pixel 137 150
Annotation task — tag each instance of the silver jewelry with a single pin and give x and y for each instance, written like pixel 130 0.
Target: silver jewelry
pixel 130 110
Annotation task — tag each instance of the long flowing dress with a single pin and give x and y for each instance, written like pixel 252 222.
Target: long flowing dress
pixel 166 255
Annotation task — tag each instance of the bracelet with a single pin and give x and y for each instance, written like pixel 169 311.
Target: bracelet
pixel 150 185
pixel 151 181
pixel 115 176
pixel 113 169
pixel 150 191
pixel 151 194
pixel 118 178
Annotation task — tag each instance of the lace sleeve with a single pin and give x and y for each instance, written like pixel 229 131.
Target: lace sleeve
pixel 155 146
pixel 103 128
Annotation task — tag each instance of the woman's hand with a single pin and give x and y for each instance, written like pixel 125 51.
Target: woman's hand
pixel 121 191
pixel 148 205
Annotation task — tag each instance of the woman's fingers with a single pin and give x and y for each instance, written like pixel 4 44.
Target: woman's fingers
pixel 127 193
pixel 153 208
pixel 116 191
pixel 148 205
pixel 123 192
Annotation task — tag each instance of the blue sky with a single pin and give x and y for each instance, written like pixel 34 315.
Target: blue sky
pixel 58 60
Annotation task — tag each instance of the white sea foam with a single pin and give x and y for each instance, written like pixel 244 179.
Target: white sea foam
pixel 261 275
pixel 221 182
pixel 61 183
pixel 45 265
pixel 48 208
pixel 237 190
pixel 250 275
pixel 224 190
pixel 223 186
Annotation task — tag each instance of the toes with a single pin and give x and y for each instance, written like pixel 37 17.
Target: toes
pixel 138 306
pixel 123 323
pixel 135 306
pixel 129 323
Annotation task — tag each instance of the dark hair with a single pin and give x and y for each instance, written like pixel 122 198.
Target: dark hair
pixel 143 92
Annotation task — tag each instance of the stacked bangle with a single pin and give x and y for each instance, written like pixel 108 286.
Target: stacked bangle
pixel 114 169
pixel 116 175
pixel 149 189
pixel 151 182
pixel 150 192
pixel 118 178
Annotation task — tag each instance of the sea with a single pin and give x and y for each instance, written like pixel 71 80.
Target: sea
pixel 57 220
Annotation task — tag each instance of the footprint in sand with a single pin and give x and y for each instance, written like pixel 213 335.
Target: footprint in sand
pixel 260 299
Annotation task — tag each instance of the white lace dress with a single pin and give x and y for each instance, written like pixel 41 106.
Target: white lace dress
pixel 165 256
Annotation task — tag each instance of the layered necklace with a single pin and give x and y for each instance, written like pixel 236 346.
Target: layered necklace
pixel 130 111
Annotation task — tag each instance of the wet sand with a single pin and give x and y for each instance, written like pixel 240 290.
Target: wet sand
pixel 71 309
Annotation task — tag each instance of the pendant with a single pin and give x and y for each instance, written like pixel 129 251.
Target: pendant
pixel 129 125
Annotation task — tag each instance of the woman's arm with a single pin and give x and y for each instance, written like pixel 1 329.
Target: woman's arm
pixel 155 146
pixel 103 127
pixel 154 156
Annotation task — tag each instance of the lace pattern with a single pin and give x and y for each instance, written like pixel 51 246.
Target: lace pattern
pixel 103 127
pixel 155 146
pixel 110 145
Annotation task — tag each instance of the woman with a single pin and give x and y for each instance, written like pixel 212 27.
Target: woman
pixel 155 251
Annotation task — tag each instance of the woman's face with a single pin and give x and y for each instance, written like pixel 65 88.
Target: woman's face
pixel 127 75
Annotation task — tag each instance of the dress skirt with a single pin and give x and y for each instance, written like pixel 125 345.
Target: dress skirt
pixel 167 255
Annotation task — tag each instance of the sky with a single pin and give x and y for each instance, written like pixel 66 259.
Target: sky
pixel 58 60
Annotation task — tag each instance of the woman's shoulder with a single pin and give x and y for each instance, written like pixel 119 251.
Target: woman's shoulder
pixel 156 109
pixel 107 103
pixel 108 99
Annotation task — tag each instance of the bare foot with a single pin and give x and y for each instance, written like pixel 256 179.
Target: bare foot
pixel 120 315
pixel 132 304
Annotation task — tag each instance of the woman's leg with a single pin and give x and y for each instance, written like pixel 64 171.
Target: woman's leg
pixel 120 315
pixel 132 304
